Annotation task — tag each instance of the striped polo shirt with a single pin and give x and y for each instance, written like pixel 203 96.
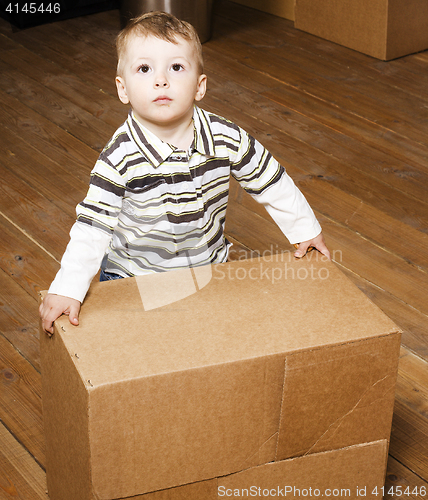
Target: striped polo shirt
pixel 165 208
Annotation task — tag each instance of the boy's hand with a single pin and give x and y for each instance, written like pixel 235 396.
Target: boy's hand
pixel 317 242
pixel 53 306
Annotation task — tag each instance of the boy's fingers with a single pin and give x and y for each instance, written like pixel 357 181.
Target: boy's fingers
pixel 73 315
pixel 325 251
pixel 47 324
pixel 49 329
pixel 53 306
pixel 302 249
pixel 322 247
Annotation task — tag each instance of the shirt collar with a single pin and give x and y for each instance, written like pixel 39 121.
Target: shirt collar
pixel 154 149
pixel 204 140
pixel 157 151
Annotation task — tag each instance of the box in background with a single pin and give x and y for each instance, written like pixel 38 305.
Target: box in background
pixel 269 359
pixel 385 29
pixel 281 8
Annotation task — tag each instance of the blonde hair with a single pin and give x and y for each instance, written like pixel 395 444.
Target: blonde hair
pixel 161 25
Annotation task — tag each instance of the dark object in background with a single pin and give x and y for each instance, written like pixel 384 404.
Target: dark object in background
pixel 196 12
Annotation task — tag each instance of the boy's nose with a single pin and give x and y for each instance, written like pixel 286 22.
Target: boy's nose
pixel 161 81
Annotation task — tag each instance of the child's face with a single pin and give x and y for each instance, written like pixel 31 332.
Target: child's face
pixel 160 80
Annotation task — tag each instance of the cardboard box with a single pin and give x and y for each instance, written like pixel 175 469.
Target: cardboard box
pixel 281 8
pixel 385 29
pixel 269 359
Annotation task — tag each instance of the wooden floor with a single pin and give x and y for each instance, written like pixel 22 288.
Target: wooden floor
pixel 351 130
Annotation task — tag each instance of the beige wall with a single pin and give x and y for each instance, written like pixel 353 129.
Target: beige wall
pixel 282 8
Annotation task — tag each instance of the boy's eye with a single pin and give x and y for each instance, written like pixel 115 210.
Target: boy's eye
pixel 144 68
pixel 177 67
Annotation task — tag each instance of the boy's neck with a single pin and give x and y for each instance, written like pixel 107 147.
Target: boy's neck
pixel 179 135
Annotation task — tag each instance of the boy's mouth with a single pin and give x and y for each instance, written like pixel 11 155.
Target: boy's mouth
pixel 163 99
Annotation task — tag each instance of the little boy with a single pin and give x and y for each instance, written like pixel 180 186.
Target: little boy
pixel 158 192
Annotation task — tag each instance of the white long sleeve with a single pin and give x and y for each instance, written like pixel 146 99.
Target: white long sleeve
pixel 289 209
pixel 81 261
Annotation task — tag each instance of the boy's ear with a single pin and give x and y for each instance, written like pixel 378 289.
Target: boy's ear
pixel 201 88
pixel 121 90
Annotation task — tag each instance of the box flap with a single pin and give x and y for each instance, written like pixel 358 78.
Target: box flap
pixel 357 471
pixel 179 428
pixel 205 490
pixel 349 390
pixel 352 472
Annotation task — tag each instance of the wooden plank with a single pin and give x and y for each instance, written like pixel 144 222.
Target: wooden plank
pixel 35 168
pixel 370 135
pixel 295 98
pixel 377 266
pixel 36 130
pixel 359 128
pixel 27 262
pixel 19 322
pixel 94 60
pixel 392 114
pixel 103 26
pixel 35 215
pixel 368 221
pixel 217 62
pixel 296 158
pixel 20 475
pixel 414 371
pixel 66 115
pixel 409 438
pixel 403 73
pixel 342 85
pixel 413 323
pixel 352 153
pixel 66 84
pixel 21 404
pixel 422 57
pixel 399 478
pixel 254 232
pixel 239 251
